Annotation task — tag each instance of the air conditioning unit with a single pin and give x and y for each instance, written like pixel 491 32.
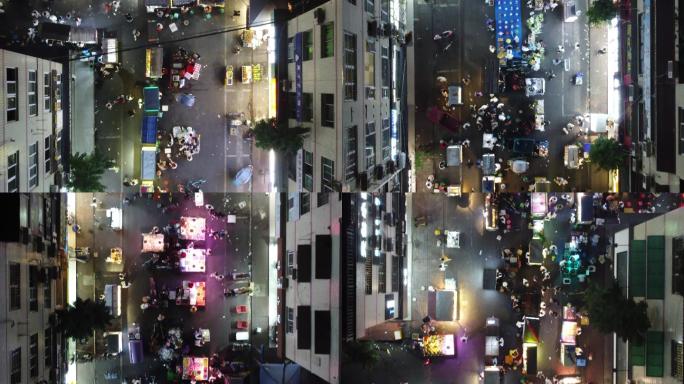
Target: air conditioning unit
pixel 390 166
pixel 287 85
pixel 294 273
pixel 24 236
pixel 319 16
pixel 373 28
pixel 379 172
pixel 387 29
pixel 362 181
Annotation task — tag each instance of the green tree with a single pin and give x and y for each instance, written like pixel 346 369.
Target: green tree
pixel 269 134
pixel 80 319
pixel 601 11
pixel 86 172
pixel 607 153
pixel 611 312
pixel 362 352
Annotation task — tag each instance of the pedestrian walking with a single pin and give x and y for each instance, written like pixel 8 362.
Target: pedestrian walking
pixel 129 18
pixel 131 113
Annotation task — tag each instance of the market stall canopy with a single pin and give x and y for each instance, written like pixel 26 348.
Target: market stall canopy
pixel 192 260
pixel 153 242
pixel 439 345
pixel 195 368
pixel 149 130
pixel 535 87
pixel 519 166
pixel 531 330
pixel 193 228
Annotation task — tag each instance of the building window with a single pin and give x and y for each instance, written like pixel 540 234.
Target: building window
pixel 677 359
pixel 290 262
pixel 328 40
pixel 382 273
pixel 370 6
pixel 307 107
pixel 352 1
pixel 370 146
pixel 304 329
pixel 307 171
pixel 15 286
pixel 307 42
pixel 369 70
pixel 304 203
pixel 349 66
pixel 32 93
pixel 48 154
pixel 290 320
pixel 33 288
pixel 351 143
pixel 47 294
pixel 47 92
pixel 384 11
pixel 12 100
pixel 322 332
pixel 48 347
pixel 13 172
pixel 58 92
pixel 290 50
pixel 368 264
pixel 322 199
pixel 678 266
pixel 328 110
pixel 385 72
pixel 15 367
pixel 386 152
pixel 33 165
pixel 327 175
pixel 681 131
pixel 395 274
pixel 33 355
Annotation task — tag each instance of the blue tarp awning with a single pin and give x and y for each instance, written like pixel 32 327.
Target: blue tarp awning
pixel 275 373
pixel 151 100
pixel 149 130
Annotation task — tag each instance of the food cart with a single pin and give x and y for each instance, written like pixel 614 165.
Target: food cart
pixel 116 217
pixel 538 204
pixel 115 256
pixel 492 343
pixel 192 260
pixel 193 228
pixel 154 61
pixel 193 293
pixel 246 74
pixel 538 108
pixel 519 166
pixel 229 75
pixel 184 67
pixel 195 368
pixel 571 156
pixel 153 242
pixel 453 239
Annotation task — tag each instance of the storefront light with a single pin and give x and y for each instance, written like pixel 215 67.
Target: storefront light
pixel 405 273
pixel 377 202
pixel 364 210
pixel 376 252
pixel 378 222
pixel 364 196
pixel 364 230
pixel 363 248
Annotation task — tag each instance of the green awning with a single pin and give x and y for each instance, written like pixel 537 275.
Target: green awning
pixel 655 269
pixel 655 351
pixel 637 268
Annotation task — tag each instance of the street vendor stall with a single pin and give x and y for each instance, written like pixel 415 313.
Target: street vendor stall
pixel 195 368
pixel 151 100
pixel 115 256
pixel 246 72
pixel 153 242
pixel 193 293
pixel 154 61
pixel 148 166
pixel 538 108
pixel 187 141
pixel 439 345
pixel 530 342
pixel 184 67
pixel 148 132
pixel 193 228
pixel 192 260
pixel 538 204
pixel 535 87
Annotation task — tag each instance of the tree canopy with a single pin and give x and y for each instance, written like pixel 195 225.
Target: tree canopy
pixel 607 153
pixel 601 11
pixel 86 172
pixel 362 352
pixel 611 312
pixel 80 319
pixel 270 134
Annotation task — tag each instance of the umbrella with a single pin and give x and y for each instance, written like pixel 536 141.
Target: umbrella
pixel 243 176
pixel 187 99
pixel 519 166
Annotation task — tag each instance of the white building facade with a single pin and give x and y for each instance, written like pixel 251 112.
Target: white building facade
pixel 31 290
pixel 31 123
pixel 345 71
